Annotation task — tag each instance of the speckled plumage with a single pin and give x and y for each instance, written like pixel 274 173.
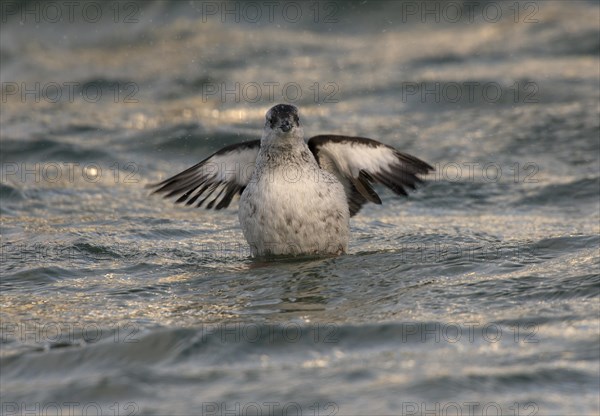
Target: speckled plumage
pixel 291 205
pixel 296 198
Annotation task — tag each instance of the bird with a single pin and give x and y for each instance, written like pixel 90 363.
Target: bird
pixel 296 197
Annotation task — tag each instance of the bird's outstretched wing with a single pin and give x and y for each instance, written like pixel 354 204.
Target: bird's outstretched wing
pixel 219 177
pixel 359 162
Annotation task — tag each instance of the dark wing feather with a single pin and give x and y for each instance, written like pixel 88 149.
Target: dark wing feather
pixel 358 162
pixel 216 180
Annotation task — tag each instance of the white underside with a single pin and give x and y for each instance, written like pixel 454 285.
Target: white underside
pixel 295 211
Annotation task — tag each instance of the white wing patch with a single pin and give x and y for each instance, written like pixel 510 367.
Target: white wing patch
pixel 358 162
pixel 351 157
pixel 224 174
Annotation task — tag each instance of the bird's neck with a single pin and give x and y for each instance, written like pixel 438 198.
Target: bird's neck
pixel 272 142
pixel 279 149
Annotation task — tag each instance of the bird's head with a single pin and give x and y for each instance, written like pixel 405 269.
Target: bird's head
pixel 283 120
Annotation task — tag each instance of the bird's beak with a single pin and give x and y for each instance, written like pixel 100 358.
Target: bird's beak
pixel 285 126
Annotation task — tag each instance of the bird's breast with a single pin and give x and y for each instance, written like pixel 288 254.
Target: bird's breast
pixel 295 204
